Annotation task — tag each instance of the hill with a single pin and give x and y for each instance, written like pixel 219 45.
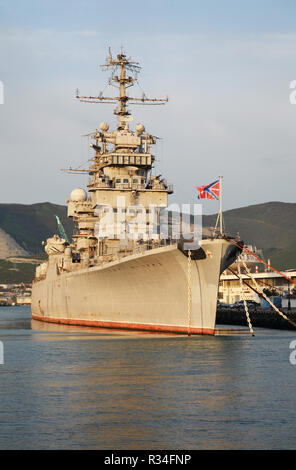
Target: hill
pixel 16 273
pixel 22 230
pixel 29 225
pixel 270 226
pixel 9 247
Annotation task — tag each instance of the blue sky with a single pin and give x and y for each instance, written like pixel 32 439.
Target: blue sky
pixel 225 65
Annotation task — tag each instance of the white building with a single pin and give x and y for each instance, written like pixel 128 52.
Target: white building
pixel 230 287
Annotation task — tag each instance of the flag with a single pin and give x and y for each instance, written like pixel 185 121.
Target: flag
pixel 212 191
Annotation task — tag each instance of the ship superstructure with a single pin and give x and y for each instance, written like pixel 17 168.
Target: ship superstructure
pixel 120 269
pixel 123 192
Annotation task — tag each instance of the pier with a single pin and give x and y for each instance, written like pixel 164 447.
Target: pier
pixel 260 317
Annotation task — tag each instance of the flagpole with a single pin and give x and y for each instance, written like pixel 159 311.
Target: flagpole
pixel 220 209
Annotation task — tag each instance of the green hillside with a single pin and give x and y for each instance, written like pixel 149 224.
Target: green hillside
pixel 270 226
pixel 16 273
pixel 29 225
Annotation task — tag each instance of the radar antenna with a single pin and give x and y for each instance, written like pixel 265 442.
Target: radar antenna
pixel 122 81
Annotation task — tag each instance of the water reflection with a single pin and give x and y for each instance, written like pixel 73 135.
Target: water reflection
pixel 82 388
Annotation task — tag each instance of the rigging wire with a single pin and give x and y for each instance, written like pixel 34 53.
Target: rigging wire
pixel 241 247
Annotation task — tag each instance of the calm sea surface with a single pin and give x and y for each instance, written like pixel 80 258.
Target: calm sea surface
pixel 65 387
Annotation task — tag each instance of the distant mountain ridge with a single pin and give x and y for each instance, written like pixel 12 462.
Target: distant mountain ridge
pixel 9 247
pixel 270 226
pixel 30 224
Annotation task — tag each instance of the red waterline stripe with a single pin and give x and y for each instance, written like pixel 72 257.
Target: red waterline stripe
pixel 127 326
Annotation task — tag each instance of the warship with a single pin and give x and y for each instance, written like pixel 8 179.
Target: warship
pixel 122 269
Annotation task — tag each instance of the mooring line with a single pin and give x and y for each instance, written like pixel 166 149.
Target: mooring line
pixel 189 291
pixel 241 247
pixel 260 289
pixel 245 303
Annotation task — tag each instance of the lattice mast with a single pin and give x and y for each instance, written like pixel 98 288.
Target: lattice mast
pixel 122 81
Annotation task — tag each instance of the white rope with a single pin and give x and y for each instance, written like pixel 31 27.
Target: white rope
pixel 260 289
pixel 245 303
pixel 189 291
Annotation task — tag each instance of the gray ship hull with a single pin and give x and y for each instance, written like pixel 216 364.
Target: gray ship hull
pixel 158 290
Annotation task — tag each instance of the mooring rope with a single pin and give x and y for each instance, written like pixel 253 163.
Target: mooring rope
pixel 189 290
pixel 241 247
pixel 260 289
pixel 245 303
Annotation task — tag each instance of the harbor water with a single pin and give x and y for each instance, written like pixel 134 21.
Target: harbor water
pixel 64 387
